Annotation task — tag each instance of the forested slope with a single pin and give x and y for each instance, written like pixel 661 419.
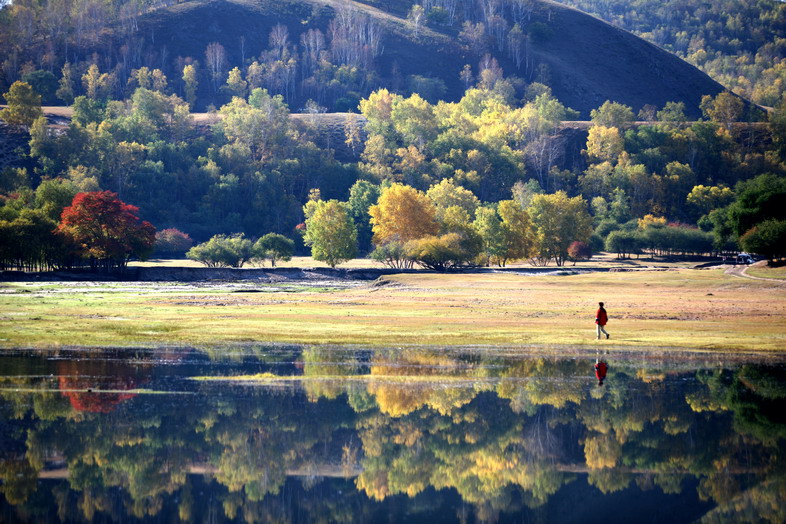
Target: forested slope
pixel 336 52
pixel 740 43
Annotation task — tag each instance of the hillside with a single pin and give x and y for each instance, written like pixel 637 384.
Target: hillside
pixel 584 59
pixel 742 45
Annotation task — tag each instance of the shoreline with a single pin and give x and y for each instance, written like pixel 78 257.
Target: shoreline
pixel 278 274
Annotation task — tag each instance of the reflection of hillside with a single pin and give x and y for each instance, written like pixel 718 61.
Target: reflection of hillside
pixel 501 435
pixel 397 399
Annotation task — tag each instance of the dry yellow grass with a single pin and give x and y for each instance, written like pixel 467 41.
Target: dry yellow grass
pixel 687 309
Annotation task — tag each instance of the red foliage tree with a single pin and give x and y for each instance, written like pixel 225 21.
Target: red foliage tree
pixel 172 242
pixel 106 230
pixel 579 251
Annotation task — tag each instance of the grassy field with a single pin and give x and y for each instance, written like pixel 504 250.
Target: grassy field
pixel 763 271
pixel 690 309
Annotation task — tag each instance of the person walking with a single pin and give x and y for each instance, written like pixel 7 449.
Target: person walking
pixel 601 318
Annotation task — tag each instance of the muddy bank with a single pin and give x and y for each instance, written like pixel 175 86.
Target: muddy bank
pixel 200 274
pixel 196 274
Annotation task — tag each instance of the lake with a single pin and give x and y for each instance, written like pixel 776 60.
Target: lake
pixel 328 434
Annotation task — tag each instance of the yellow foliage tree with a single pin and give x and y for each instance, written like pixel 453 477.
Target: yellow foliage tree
pixel 447 194
pixel 604 143
pixel 402 214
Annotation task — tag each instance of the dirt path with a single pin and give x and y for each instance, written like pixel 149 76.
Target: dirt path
pixel 741 271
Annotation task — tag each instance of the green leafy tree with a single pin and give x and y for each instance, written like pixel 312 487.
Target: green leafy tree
pixel 759 199
pixel 623 243
pixel 392 254
pixel 489 227
pixel 331 233
pixel 43 82
pixel 66 86
pixel 518 230
pixel 274 247
pixel 767 238
pixel 54 195
pixel 88 110
pixel 24 105
pixel 558 222
pixel 672 113
pixel 612 114
pixel 260 125
pixel 190 84
pixel 362 195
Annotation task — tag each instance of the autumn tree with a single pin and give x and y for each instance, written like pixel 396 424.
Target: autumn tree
pixel 706 198
pixel 106 230
pixel 235 85
pixel 190 84
pixel 558 221
pixel 330 232
pixel 24 105
pixel 447 194
pixel 413 118
pixel 98 85
pixel 604 143
pixel 724 109
pixel 260 125
pixel 172 242
pixel 612 114
pixel 402 214
pixel 215 59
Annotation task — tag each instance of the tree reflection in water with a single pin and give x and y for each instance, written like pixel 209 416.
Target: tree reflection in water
pixel 346 436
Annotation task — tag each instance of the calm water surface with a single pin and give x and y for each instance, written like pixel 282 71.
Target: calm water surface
pixel 398 435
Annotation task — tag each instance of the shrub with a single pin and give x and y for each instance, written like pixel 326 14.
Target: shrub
pixel 222 251
pixel 441 253
pixel 393 255
pixel 172 243
pixel 579 251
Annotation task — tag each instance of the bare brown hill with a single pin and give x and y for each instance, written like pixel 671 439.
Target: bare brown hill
pixel 587 60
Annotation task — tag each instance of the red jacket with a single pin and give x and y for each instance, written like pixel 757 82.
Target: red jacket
pixel 601 317
pixel 600 370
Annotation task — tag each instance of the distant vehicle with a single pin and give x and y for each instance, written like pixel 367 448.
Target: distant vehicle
pixel 744 258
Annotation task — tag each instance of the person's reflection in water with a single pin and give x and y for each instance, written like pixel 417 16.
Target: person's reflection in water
pixel 600 370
